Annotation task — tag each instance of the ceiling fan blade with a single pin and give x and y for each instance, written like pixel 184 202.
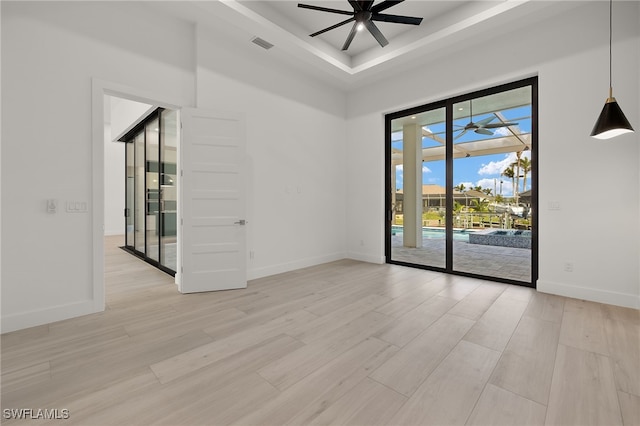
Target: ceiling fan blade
pixel 397 19
pixel 460 134
pixel 375 32
pixel 483 131
pixel 356 5
pixel 496 125
pixel 485 121
pixel 324 9
pixel 350 37
pixel 385 5
pixel 366 5
pixel 339 24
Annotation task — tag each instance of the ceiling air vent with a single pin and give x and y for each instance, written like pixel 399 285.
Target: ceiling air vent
pixel 262 43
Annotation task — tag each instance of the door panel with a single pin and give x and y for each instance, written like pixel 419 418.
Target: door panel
pixel 213 185
pixel 418 186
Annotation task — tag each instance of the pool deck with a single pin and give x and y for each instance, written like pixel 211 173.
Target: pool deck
pixel 503 262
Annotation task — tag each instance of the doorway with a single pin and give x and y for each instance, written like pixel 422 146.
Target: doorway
pixel 461 184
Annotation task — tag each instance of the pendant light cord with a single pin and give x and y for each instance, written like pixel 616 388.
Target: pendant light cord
pixel 610 55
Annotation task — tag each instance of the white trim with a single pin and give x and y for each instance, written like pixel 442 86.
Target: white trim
pixel 266 271
pixel 626 300
pixel 34 318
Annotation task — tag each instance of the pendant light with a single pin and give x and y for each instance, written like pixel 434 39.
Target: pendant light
pixel 611 121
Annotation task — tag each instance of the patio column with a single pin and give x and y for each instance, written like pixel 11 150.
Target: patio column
pixel 412 185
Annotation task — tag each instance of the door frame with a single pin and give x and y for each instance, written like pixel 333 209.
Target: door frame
pixel 100 88
pixel 448 105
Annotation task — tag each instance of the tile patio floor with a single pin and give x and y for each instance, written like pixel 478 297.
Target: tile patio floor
pixel 502 262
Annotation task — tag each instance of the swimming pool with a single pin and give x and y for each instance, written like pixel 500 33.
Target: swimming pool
pixel 435 233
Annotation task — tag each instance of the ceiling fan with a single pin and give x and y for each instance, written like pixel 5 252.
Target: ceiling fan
pixel 363 15
pixel 482 127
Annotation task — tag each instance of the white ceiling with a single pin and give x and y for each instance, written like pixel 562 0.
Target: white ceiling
pixel 447 26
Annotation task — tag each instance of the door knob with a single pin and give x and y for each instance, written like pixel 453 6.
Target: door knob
pixel 241 222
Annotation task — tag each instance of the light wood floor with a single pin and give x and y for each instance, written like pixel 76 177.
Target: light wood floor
pixel 341 343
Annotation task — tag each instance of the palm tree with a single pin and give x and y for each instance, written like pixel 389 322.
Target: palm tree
pixel 511 174
pixel 487 191
pixel 460 187
pixel 517 164
pixel 480 205
pixel 525 165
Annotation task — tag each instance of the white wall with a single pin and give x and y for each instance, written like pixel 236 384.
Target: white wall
pixel 296 152
pixel 50 53
pixel 597 227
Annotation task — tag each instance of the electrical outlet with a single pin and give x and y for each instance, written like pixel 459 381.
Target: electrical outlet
pixel 252 254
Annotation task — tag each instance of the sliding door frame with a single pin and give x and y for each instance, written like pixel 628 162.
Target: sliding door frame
pixel 449 178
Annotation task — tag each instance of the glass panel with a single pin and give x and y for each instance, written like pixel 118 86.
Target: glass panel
pixel 418 181
pixel 139 204
pixel 130 192
pixel 153 190
pixel 168 188
pixel 491 172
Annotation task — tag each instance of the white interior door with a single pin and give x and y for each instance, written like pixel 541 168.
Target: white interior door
pixel 213 201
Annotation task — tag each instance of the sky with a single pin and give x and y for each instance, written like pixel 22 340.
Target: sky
pixel 473 171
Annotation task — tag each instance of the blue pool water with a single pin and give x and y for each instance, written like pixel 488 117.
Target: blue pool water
pixel 434 233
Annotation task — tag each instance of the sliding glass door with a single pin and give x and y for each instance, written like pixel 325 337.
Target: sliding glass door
pixel 418 195
pixel 151 189
pixel 461 191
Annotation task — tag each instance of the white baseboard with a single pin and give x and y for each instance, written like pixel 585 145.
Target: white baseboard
pixel 594 295
pixel 280 268
pixel 45 316
pixel 364 257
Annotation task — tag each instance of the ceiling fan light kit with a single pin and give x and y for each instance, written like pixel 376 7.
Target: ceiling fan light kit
pixel 611 121
pixel 363 16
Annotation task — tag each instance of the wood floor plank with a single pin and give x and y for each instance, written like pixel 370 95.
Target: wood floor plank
pixel 624 348
pixel 630 408
pixel 476 303
pixel 583 390
pixel 458 287
pixel 583 326
pixel 495 327
pixel 293 367
pixel 526 366
pixel 27 376
pixel 307 399
pixel 369 403
pixel 546 307
pixel 408 301
pixel 321 326
pixel 197 358
pixel 450 393
pixel 407 369
pixel 82 407
pixel 77 376
pixel 499 407
pixel 407 327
